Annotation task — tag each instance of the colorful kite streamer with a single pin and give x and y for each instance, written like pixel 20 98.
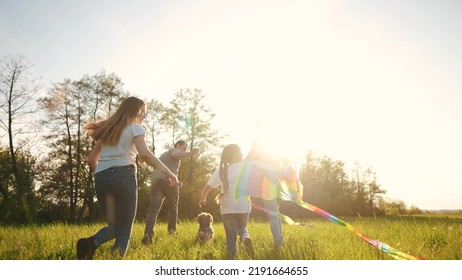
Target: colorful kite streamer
pixel 269 181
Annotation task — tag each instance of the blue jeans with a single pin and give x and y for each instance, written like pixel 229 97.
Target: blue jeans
pixel 117 193
pixel 234 224
pixel 274 221
pixel 159 191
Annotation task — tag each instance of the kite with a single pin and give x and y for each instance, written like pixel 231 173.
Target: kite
pixel 270 181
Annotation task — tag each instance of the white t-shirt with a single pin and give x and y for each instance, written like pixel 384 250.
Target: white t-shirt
pixel 122 154
pixel 227 204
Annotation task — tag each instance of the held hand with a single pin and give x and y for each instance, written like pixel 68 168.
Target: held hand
pixel 202 202
pixel 173 181
pixel 194 151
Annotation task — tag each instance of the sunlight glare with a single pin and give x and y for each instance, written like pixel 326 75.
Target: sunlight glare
pixel 279 138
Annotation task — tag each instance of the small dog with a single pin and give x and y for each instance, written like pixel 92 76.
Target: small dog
pixel 205 221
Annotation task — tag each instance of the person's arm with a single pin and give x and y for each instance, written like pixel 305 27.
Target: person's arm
pixel 94 156
pixel 151 159
pixel 205 192
pixel 177 153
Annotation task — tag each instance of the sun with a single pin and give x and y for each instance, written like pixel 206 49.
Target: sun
pixel 278 139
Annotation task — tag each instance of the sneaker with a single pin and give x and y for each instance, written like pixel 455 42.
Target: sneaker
pixel 248 247
pixel 173 233
pixel 86 248
pixel 147 240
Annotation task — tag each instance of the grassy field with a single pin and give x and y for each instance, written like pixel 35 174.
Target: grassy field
pixel 428 237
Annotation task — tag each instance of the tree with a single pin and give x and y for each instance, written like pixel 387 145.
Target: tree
pixel 53 192
pixel 70 105
pixel 394 207
pixel 375 192
pixel 11 210
pixel 59 105
pixel 368 191
pixel 326 184
pixel 191 118
pixel 155 122
pixel 195 123
pixel 414 210
pixel 17 92
pixel 7 204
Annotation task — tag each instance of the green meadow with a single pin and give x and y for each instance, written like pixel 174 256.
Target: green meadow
pixel 436 237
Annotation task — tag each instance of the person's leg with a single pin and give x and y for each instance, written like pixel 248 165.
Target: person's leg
pixel 125 200
pixel 241 221
pixel 172 195
pixel 86 247
pixel 155 204
pixel 230 225
pixel 107 204
pixel 241 224
pixel 275 222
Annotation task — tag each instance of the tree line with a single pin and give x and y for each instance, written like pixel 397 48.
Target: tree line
pixel 43 172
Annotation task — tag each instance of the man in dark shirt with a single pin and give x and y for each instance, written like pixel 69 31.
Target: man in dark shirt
pixel 162 189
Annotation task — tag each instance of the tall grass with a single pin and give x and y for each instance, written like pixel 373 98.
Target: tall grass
pixel 437 238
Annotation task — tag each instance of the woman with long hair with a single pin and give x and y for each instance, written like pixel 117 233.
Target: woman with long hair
pixel 119 139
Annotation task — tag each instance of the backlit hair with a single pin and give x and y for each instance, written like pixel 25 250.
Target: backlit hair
pixel 231 154
pixel 110 130
pixel 180 143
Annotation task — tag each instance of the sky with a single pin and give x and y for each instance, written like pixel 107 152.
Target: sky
pixel 369 82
